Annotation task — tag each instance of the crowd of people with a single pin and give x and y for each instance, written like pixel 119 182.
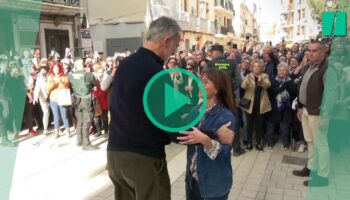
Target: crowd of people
pixel 45 86
pixel 276 91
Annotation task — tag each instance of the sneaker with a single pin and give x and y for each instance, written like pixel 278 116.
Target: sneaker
pixel 302 148
pixel 96 135
pixel 269 146
pixel 259 147
pixel 45 132
pixel 90 147
pixel 316 181
pixel 68 133
pixel 285 147
pixel 79 144
pixel 7 143
pixel 33 132
pixel 303 172
pixel 238 153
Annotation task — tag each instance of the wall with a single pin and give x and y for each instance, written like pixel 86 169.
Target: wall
pixel 111 11
pixel 100 33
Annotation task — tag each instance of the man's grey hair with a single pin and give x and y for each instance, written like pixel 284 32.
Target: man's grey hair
pixel 162 27
pixel 79 64
pixel 283 64
pixel 247 57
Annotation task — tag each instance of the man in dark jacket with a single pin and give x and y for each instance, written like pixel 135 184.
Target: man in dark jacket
pixel 135 151
pixel 315 126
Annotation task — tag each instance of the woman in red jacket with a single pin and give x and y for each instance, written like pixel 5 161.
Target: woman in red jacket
pixel 101 103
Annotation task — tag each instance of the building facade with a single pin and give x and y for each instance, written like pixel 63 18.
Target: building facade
pixel 52 24
pixel 296 21
pixel 223 22
pixel 117 26
pixel 245 23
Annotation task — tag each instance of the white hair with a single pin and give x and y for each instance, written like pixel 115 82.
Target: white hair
pixel 283 64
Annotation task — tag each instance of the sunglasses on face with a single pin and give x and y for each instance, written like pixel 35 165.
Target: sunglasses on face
pixel 189 68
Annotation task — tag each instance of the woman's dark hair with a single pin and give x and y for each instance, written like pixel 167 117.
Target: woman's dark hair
pixel 169 59
pixel 205 60
pixel 222 83
pixel 193 62
pixel 274 59
pixel 293 57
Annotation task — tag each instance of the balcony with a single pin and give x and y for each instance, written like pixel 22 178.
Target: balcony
pixel 230 6
pixel 219 4
pixel 224 7
pixel 230 29
pixel 223 30
pixel 187 21
pixel 73 3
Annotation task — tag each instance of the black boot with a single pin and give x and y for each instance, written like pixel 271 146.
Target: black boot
pixel 303 172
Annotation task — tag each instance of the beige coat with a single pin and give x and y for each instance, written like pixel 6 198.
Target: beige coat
pixel 249 85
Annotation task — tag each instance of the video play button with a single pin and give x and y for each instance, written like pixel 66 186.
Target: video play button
pixel 174 100
pixel 172 95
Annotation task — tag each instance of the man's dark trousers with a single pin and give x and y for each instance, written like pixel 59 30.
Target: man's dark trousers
pixel 138 177
pixel 84 115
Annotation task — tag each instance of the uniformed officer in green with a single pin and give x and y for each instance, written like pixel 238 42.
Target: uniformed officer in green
pixel 220 62
pixel 82 83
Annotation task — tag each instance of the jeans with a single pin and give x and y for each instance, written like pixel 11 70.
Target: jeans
pixel 242 117
pixel 236 144
pixel 46 113
pixel 59 111
pixel 193 193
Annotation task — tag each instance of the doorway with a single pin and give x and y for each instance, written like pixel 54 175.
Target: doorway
pixel 57 40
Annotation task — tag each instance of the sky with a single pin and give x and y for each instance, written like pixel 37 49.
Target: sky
pixel 270 10
pixel 269 15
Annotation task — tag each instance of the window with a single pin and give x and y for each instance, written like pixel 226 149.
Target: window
pixel 303 14
pixel 302 31
pixel 298 30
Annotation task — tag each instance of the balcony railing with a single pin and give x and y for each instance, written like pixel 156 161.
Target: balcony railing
pixel 75 3
pixel 230 29
pixel 223 30
pixel 230 6
pixel 220 3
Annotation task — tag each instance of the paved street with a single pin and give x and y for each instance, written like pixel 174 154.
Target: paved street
pixel 58 170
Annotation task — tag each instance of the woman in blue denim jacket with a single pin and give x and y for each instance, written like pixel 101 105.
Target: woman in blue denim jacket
pixel 209 170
